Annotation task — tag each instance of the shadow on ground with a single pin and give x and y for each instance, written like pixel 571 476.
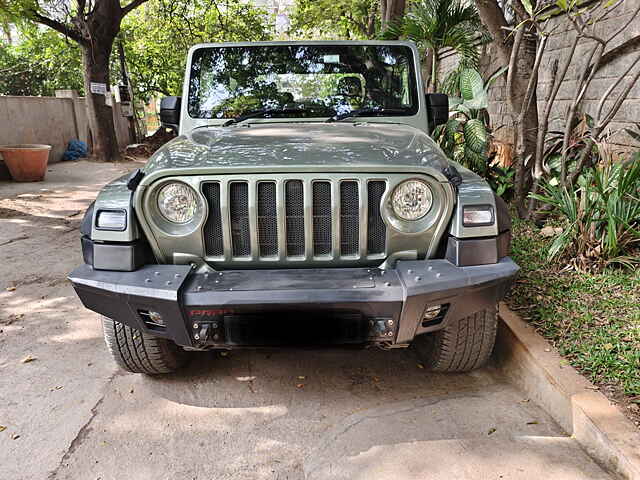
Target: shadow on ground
pixel 321 414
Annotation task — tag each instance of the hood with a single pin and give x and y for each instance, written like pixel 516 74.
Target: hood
pixel 278 145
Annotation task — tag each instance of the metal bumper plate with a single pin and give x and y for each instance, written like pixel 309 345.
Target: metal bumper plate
pixel 408 288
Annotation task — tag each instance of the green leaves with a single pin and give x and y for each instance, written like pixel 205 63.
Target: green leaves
pixel 156 40
pixel 465 137
pixel 351 19
pixel 476 136
pixel 601 215
pixel 471 84
pixel 158 37
pixel 41 63
pixel 438 24
pixel 528 7
pixel 562 5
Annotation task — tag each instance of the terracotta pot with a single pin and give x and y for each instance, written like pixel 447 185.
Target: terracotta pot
pixel 26 163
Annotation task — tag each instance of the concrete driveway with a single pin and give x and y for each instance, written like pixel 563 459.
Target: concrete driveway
pixel 278 414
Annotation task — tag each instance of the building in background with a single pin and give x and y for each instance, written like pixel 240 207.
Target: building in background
pixel 280 10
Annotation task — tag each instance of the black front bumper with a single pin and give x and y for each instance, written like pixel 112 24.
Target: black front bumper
pixel 265 307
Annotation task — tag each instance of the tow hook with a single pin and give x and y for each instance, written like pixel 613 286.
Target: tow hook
pixel 205 332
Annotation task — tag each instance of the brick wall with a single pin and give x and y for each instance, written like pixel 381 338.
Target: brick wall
pixel 558 49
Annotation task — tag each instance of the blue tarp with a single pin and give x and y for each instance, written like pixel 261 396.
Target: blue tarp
pixel 75 150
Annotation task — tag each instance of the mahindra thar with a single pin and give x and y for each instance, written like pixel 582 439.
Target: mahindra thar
pixel 303 202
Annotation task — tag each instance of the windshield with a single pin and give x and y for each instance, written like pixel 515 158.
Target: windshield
pixel 306 80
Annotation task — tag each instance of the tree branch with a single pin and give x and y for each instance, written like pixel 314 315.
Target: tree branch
pixel 493 18
pixel 602 124
pixel 58 26
pixel 625 25
pixel 621 97
pixel 81 5
pixel 134 4
pixel 619 51
pixel 513 67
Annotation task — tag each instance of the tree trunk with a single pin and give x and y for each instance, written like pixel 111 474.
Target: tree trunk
pixel 391 11
pixel 103 26
pixel 525 133
pixel 426 68
pixel 100 115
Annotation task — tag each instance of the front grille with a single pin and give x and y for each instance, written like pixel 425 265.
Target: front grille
pixel 239 216
pixel 349 218
pixel 294 208
pixel 294 219
pixel 377 230
pixel 321 218
pixel 213 227
pixel 267 219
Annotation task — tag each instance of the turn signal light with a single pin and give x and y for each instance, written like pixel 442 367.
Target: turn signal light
pixel 477 216
pixel 111 220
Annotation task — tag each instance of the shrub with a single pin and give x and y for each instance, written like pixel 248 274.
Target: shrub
pixel 600 217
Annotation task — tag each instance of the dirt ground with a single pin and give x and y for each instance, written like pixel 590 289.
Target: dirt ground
pixel 68 413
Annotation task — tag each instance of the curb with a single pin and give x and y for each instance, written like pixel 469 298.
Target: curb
pixel 529 362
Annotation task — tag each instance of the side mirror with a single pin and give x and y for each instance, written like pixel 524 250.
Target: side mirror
pixel 437 109
pixel 170 112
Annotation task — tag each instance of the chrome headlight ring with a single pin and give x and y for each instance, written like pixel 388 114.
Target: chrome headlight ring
pixel 177 202
pixel 413 205
pixel 174 208
pixel 412 199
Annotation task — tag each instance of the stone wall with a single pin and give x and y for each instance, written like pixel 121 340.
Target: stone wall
pixel 558 49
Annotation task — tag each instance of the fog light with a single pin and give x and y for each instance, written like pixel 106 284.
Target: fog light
pixel 155 317
pixel 477 216
pixel 111 220
pixel 152 319
pixel 431 312
pixel 434 315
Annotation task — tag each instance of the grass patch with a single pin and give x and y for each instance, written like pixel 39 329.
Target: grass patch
pixel 593 319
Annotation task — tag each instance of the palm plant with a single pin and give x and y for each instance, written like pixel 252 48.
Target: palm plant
pixel 466 136
pixel 438 24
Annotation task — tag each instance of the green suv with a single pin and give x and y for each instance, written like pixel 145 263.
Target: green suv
pixel 302 203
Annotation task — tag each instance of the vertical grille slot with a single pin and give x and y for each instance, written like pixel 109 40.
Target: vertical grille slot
pixel 213 226
pixel 349 218
pixel 267 219
pixel 321 218
pixel 377 230
pixel 294 211
pixel 239 214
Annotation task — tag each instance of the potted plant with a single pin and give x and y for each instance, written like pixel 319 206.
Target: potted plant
pixel 26 162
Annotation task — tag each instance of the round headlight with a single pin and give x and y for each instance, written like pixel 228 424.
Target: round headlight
pixel 177 202
pixel 412 200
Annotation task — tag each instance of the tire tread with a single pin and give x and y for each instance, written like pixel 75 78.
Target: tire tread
pixel 462 345
pixel 138 352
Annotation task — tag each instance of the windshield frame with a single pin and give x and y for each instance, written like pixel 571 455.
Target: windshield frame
pixel 417 119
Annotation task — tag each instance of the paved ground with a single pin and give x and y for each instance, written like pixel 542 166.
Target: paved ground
pixel 331 414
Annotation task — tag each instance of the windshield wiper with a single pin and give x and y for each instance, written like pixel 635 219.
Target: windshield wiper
pixel 363 112
pixel 263 112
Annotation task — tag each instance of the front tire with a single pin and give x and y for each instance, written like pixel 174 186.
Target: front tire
pixel 462 345
pixel 139 352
